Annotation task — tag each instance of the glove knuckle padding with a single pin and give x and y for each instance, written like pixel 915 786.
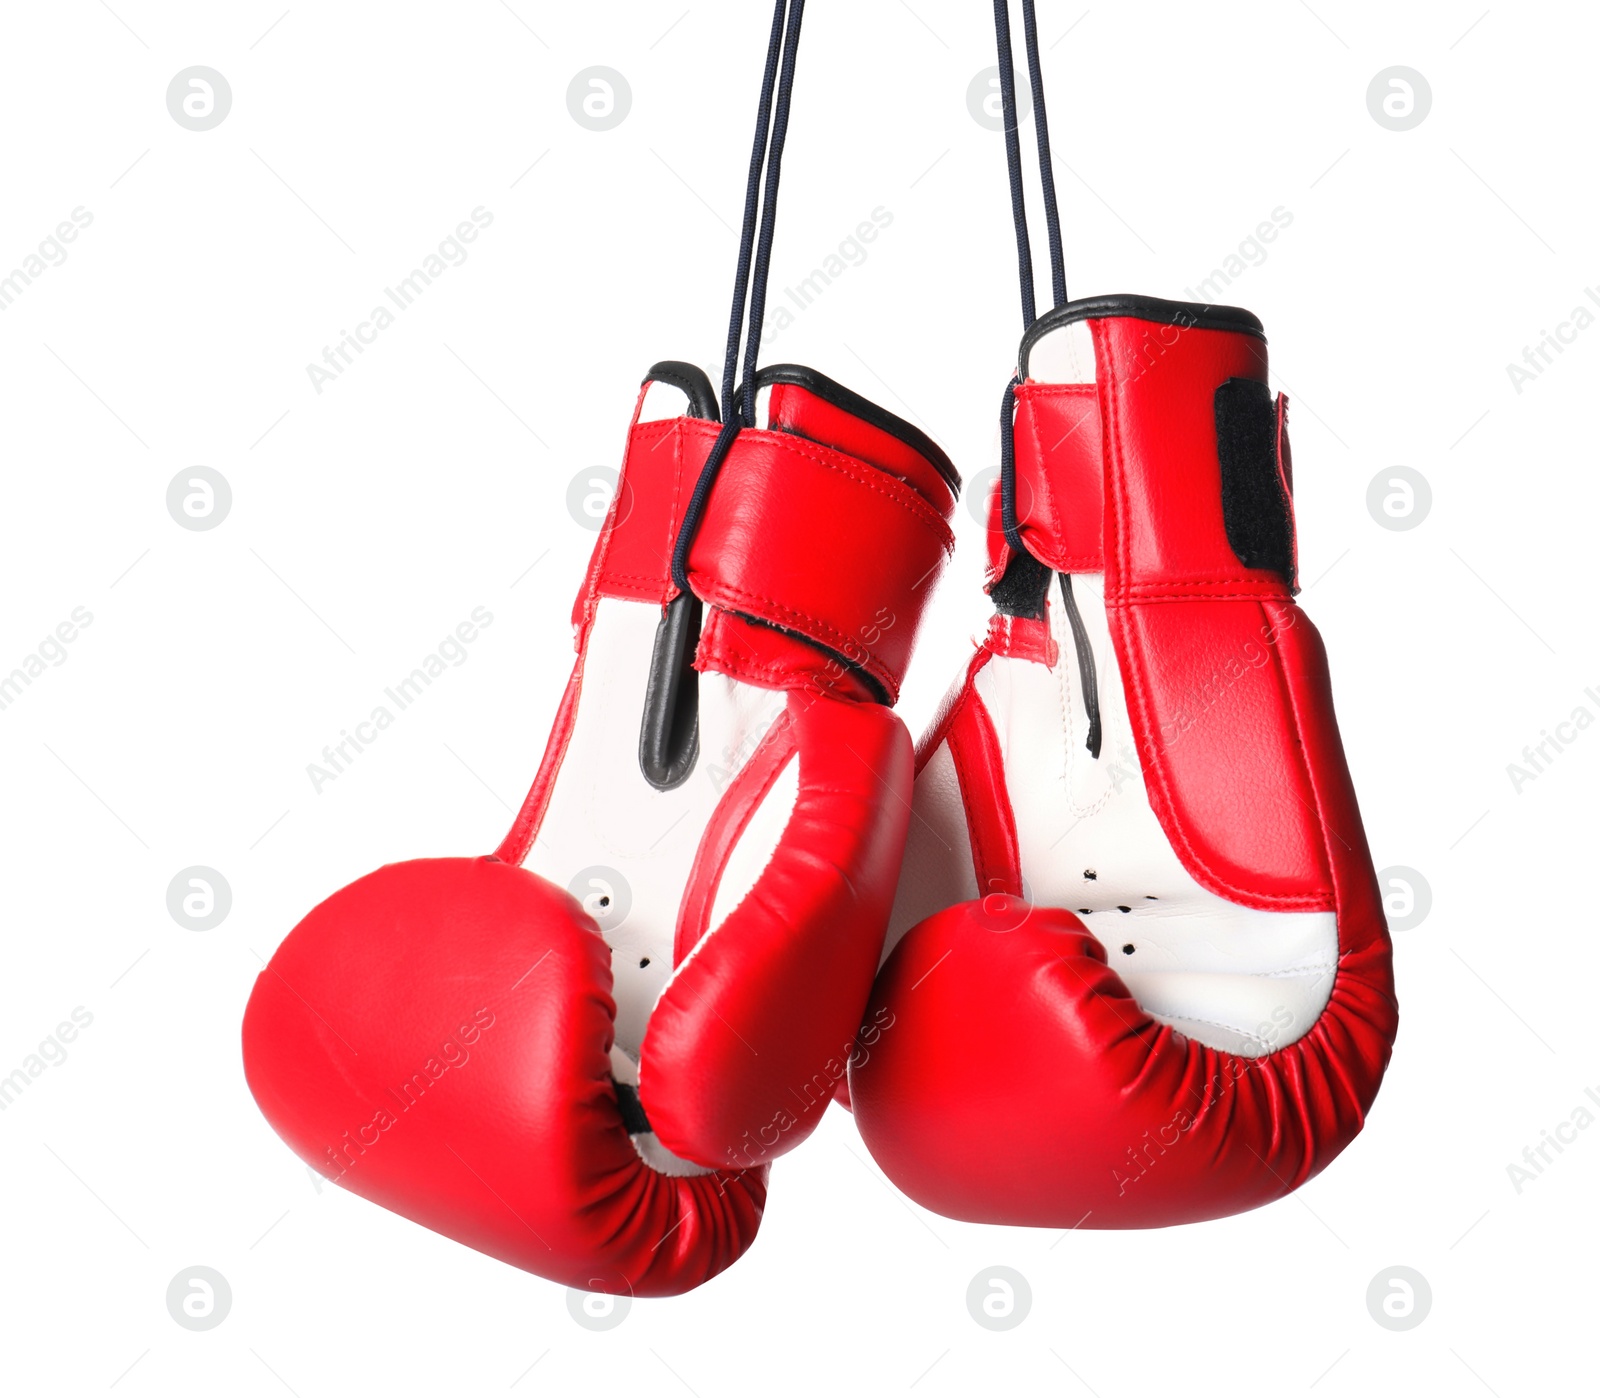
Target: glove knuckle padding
pixel 753 1031
pixel 729 817
pixel 357 1049
pixel 1204 972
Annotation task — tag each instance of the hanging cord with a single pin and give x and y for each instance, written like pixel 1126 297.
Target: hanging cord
pixel 1088 678
pixel 1008 468
pixel 769 213
pixel 752 195
pixel 1047 179
pixel 777 82
pixel 1047 175
pixel 1019 203
pixel 1019 213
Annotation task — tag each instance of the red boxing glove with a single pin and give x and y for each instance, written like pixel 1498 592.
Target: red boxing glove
pixel 1137 855
pixel 578 1054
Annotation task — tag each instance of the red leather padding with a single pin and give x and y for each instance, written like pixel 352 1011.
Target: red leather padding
pixel 812 541
pixel 750 651
pixel 1101 1117
pixel 748 1042
pixel 530 816
pixel 981 775
pixel 795 409
pixel 1058 480
pixel 1163 530
pixel 1110 1119
pixel 1024 638
pixel 835 550
pixel 633 558
pixel 436 1038
pixel 741 800
pixel 1226 761
pixel 1221 712
pixel 1286 476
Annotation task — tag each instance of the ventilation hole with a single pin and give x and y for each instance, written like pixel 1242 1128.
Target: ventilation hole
pixel 1090 874
pixel 1128 949
pixel 1123 908
pixel 1084 912
pixel 1152 897
pixel 643 962
pixel 605 900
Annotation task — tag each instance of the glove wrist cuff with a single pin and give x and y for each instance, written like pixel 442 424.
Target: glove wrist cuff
pixel 818 549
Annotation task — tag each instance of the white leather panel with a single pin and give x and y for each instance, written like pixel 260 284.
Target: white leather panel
pixel 937 872
pixel 1234 978
pixel 634 844
pixel 757 845
pixel 1064 356
pixel 662 402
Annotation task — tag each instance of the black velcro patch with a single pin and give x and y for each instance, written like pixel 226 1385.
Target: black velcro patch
pixel 1256 508
pixel 1023 589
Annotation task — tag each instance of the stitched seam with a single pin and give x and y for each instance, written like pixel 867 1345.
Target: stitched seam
pixel 1033 388
pixel 736 664
pixel 662 428
pixel 1012 642
pixel 1053 515
pixel 971 793
pixel 1139 598
pixel 536 804
pixel 1311 782
pixel 1137 700
pixel 1158 591
pixel 1248 898
pixel 1247 583
pixel 666 585
pixel 1005 816
pixel 1080 563
pixel 647 578
pixel 912 504
pixel 1074 392
pixel 750 788
pixel 1320 968
pixel 597 561
pixel 1233 1029
pixel 873 665
pixel 945 716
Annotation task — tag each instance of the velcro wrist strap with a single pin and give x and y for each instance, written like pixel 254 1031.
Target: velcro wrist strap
pixel 814 542
pixel 1059 480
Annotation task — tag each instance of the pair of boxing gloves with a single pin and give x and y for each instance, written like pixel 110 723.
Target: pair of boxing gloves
pixel 1105 950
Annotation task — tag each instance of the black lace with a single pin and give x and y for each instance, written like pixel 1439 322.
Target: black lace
pixel 755 261
pixel 1087 675
pixel 1041 131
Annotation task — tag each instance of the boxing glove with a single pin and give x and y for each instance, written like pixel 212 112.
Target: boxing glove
pixel 578 1054
pixel 1140 973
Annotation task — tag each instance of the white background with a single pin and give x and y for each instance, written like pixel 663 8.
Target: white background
pixel 431 478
